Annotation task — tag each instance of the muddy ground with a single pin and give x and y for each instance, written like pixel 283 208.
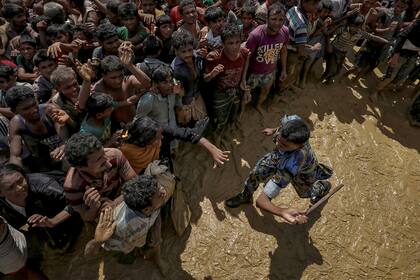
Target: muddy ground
pixel 369 230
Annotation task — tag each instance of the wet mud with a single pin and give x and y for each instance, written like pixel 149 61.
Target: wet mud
pixel 368 230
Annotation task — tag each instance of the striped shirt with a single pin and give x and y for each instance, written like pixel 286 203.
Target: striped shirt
pixel 345 40
pixel 109 185
pixel 298 24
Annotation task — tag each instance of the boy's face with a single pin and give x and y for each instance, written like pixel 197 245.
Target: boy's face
pixel 111 45
pixel 275 22
pixel 185 53
pixel 148 6
pixel 14 187
pixel 283 145
pixel 369 4
pixel 27 51
pixel 45 68
pixel 399 7
pixel 189 14
pixel 166 30
pixel 96 163
pixel 28 109
pixel 157 201
pixel 62 38
pixel 165 87
pixel 5 84
pixel 246 19
pixel 232 45
pixel 69 88
pixel 114 79
pixel 131 22
pixel 19 20
pixel 217 26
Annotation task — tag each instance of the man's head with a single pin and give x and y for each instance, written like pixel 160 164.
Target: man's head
pixel 54 12
pixel 128 15
pixel 247 15
pixel 400 6
pixel 148 6
pixel 355 22
pixel 293 135
pixel 8 77
pixel 64 80
pixel 112 7
pixel 183 44
pixel 13 184
pixel 45 63
pixel 188 11
pixel 21 100
pixel 15 15
pixel 152 46
pixel 231 37
pixel 143 194
pixel 62 33
pixel 85 152
pixel 276 15
pixel 325 9
pixel 368 4
pixel 214 16
pixel 27 46
pixel 165 28
pixel 99 105
pixel 144 131
pixel 162 79
pixel 107 35
pixel 112 71
pixel 310 6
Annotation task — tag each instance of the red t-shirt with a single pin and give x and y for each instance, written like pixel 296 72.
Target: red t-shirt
pixel 232 74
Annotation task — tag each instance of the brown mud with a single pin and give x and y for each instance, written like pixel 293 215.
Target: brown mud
pixel 368 230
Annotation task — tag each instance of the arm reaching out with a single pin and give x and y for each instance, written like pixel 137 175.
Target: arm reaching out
pixel 219 156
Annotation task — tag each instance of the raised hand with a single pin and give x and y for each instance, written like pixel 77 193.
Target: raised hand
pixel 37 220
pixel 126 53
pixel 92 198
pixel 106 225
pixel 54 50
pixel 217 70
pixel 58 153
pixel 85 71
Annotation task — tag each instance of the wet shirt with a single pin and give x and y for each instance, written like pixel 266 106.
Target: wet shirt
pixel 22 62
pixel 131 230
pixel 103 132
pixel 265 49
pixel 42 89
pixel 118 172
pixel 232 74
pixel 298 23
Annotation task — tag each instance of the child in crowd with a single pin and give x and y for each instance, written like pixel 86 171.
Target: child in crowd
pixel 228 69
pixel 24 60
pixel 215 20
pixel 164 30
pixel 45 65
pixel 152 48
pixel 247 17
pixel 149 12
pixel 109 41
pixel 189 69
pixel 96 176
pixel 267 44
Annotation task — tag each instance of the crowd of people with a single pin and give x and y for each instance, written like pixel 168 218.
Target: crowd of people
pixel 95 96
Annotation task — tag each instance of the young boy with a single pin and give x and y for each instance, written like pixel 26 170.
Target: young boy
pixel 136 31
pixel 228 71
pixel 247 17
pixel 188 68
pixel 152 49
pixel 119 87
pixel 42 86
pixel 343 41
pixel 215 20
pixel 267 44
pixel 32 127
pixel 134 223
pixel 107 35
pixel 24 60
pixel 96 175
pixel 292 161
pixel 164 30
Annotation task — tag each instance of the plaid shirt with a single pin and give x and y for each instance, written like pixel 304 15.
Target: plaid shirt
pixel 298 24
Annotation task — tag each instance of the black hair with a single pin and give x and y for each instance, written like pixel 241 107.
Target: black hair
pixel 163 19
pixel 6 72
pixel 276 8
pixel 11 168
pixel 142 131
pixel 249 9
pixel 181 38
pixel 83 29
pixel 111 63
pixel 17 94
pixel 106 31
pixel 229 31
pixel 185 3
pixel 327 5
pixel 11 10
pixel 212 14
pixel 79 147
pixel 139 191
pixel 152 45
pixel 79 3
pixel 127 10
pixel 54 12
pixel 25 38
pixel 161 73
pixel 113 6
pixel 295 131
pixel 40 56
pixel 55 29
pixel 356 20
pixel 98 102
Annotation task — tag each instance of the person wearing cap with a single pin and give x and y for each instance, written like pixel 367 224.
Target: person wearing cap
pixel 291 161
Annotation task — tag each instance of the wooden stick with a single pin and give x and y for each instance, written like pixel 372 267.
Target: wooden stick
pixel 324 199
